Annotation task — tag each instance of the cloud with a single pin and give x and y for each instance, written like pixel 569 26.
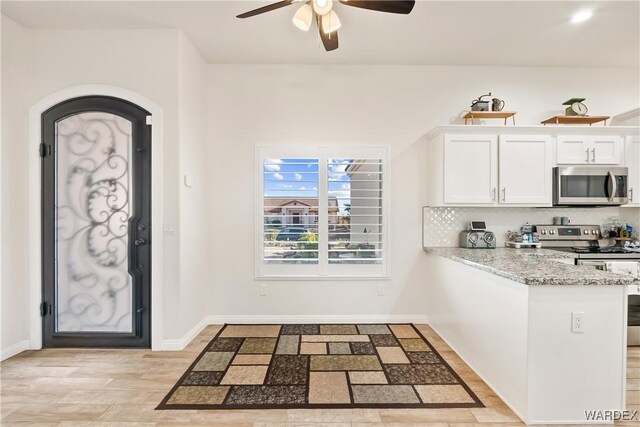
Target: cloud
pixel 272 165
pixel 285 186
pixel 298 176
pixel 346 186
pixel 336 169
pixel 278 176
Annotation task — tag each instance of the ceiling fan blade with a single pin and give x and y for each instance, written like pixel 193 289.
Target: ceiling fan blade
pixel 389 6
pixel 265 9
pixel 330 41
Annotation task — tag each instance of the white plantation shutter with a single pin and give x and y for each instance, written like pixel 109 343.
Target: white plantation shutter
pixel 355 211
pixel 322 212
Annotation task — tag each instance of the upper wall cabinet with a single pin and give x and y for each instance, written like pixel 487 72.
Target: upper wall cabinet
pixel 470 169
pixel 632 161
pixel 524 169
pixel 484 170
pixel 589 150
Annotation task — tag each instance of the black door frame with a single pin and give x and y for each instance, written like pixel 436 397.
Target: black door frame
pixel 139 224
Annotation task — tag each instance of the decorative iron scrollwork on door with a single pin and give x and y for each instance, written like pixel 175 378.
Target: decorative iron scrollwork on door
pixel 93 207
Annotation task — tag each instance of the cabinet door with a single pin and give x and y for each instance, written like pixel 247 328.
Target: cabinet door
pixel 470 169
pixel 573 150
pixel 606 150
pixel 525 170
pixel 632 161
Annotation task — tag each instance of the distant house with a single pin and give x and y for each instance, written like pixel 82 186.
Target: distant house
pixel 297 211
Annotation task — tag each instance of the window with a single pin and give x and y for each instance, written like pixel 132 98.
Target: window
pixel 322 212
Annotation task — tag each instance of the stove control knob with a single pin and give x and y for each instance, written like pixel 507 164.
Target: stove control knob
pixel 543 231
pixel 552 231
pixel 586 231
pixel 594 232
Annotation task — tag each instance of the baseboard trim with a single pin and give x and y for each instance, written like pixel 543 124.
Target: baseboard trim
pixel 181 343
pixel 14 349
pixel 317 318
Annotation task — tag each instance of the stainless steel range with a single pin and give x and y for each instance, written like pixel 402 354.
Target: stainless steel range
pixel 584 242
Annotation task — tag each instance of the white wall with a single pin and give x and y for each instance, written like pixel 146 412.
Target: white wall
pixel 160 65
pixel 258 104
pixel 189 297
pixel 17 73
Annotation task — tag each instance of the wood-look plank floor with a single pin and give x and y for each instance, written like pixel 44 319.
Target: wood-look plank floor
pixel 76 387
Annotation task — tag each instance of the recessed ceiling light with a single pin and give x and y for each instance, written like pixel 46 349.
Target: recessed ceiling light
pixel 581 16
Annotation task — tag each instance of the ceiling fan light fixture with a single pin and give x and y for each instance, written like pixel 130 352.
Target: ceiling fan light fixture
pixel 322 7
pixel 303 17
pixel 330 22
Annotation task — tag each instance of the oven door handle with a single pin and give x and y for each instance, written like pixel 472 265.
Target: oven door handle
pixel 600 265
pixel 612 186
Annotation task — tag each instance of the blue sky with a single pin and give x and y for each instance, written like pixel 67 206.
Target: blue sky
pixel 299 178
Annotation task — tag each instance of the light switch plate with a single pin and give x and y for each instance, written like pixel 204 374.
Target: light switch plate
pixel 264 291
pixel 168 229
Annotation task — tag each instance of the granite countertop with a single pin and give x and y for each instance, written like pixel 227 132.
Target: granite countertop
pixel 532 266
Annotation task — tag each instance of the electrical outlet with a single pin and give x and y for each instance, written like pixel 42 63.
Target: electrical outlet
pixel 381 290
pixel 263 290
pixel 577 322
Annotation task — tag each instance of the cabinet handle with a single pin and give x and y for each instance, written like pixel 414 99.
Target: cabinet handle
pixel 630 195
pixel 493 194
pixel 593 155
pixel 504 194
pixel 587 150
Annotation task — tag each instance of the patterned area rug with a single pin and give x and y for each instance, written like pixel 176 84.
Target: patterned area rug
pixel 319 366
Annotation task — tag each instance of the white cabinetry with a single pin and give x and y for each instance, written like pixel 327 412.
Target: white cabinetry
pixel 470 169
pixel 490 166
pixel 525 169
pixel 484 170
pixel 589 150
pixel 632 161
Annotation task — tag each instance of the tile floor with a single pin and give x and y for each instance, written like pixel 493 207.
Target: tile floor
pixel 69 387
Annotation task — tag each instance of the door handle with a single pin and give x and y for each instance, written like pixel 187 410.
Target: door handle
pixel 593 155
pixel 493 194
pixel 140 242
pixel 612 186
pixel 504 194
pixel 587 151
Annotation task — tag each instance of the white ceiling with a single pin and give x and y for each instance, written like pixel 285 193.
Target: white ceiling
pixel 518 33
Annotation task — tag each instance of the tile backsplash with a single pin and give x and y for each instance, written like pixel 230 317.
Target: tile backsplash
pixel 441 226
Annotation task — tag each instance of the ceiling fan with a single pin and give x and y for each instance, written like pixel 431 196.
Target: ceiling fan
pixel 321 11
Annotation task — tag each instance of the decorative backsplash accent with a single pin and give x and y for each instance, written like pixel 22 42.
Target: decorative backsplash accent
pixel 441 226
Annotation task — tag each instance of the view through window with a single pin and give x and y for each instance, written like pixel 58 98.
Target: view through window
pixel 322 210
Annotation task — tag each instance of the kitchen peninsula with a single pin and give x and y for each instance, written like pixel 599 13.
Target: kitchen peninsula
pixel 547 336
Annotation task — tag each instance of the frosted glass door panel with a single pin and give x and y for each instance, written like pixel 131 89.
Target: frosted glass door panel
pixel 93 194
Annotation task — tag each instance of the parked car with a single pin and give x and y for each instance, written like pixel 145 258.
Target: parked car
pixel 290 234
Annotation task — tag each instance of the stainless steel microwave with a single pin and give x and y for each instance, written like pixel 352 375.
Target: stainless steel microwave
pixel 590 186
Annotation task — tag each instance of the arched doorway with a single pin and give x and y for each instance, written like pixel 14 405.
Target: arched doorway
pixel 96 223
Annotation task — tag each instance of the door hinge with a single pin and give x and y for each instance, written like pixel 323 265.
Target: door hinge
pixel 45 308
pixel 43 149
pixel 149 120
pixel 140 310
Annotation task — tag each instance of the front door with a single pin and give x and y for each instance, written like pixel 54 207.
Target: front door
pixel 96 224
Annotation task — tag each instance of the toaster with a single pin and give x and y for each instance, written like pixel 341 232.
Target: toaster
pixel 477 239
